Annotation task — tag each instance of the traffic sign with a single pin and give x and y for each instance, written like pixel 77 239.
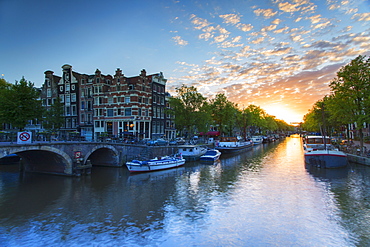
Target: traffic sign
pixel 24 137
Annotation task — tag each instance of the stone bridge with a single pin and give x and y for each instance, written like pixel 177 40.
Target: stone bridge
pixel 76 158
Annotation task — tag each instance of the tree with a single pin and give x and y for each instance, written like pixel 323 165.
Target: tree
pixel 352 86
pixel 19 103
pixel 53 117
pixel 4 91
pixel 257 115
pixel 224 114
pixel 191 110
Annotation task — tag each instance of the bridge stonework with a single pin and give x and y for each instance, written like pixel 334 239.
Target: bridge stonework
pixel 76 158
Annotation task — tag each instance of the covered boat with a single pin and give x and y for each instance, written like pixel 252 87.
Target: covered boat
pixel 257 140
pixel 211 155
pixel 232 144
pixel 191 152
pixel 320 152
pixel 155 164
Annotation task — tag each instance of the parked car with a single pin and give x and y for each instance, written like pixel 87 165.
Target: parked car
pixel 180 140
pixel 173 142
pixel 158 142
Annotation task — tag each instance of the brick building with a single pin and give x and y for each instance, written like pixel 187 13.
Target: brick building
pixel 115 106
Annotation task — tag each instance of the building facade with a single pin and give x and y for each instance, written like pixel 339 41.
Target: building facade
pixel 120 107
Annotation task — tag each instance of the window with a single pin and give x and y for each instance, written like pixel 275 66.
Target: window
pixel 67 88
pixel 49 101
pixel 110 112
pixel 89 105
pixel 48 92
pixel 68 99
pixel 73 97
pixel 68 110
pixel 127 99
pixel 139 113
pixel 127 111
pixel 61 98
pixel 97 124
pixel 110 100
pixel 74 111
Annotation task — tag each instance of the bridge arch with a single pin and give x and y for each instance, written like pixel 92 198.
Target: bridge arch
pixel 103 155
pixel 44 159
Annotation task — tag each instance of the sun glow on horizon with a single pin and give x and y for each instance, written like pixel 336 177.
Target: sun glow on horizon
pixel 284 113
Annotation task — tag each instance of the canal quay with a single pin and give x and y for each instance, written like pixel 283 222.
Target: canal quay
pixel 262 197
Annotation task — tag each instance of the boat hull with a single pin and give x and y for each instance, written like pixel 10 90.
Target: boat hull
pixel 228 150
pixel 157 165
pixel 191 152
pixel 211 155
pixel 326 159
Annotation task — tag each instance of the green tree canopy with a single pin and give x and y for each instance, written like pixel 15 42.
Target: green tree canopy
pixel 191 110
pixel 224 114
pixel 351 93
pixel 53 117
pixel 19 103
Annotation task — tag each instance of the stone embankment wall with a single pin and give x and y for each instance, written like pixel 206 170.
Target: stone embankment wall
pixel 358 159
pixel 146 152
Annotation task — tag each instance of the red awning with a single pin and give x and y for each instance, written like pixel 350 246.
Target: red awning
pixel 213 133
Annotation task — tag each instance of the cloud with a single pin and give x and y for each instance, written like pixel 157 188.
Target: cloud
pixel 362 17
pixel 245 27
pixel 266 13
pixel 231 18
pixel 179 41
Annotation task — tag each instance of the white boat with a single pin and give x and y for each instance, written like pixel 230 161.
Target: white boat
pixel 232 144
pixel 211 155
pixel 320 152
pixel 257 140
pixel 191 152
pixel 155 164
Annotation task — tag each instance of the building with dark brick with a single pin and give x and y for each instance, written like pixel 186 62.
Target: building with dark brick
pixel 115 106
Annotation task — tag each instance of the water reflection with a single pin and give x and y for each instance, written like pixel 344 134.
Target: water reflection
pixel 264 196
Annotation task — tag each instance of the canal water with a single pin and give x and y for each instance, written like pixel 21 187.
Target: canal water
pixel 263 197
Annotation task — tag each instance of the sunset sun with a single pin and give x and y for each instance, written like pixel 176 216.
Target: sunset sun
pixel 284 113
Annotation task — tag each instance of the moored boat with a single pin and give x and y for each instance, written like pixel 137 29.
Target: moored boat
pixel 320 152
pixel 211 155
pixel 191 152
pixel 257 140
pixel 155 164
pixel 232 144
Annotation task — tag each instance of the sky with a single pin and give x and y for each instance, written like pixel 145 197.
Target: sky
pixel 279 55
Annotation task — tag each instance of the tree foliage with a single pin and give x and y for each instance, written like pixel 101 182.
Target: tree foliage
pixel 53 117
pixel 194 113
pixel 349 101
pixel 224 113
pixel 19 103
pixel 191 109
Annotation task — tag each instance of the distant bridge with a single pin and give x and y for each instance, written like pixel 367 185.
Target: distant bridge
pixel 76 158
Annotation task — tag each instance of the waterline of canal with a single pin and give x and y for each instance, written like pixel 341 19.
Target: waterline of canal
pixel 263 197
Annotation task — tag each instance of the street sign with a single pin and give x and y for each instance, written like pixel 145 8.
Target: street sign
pixel 24 137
